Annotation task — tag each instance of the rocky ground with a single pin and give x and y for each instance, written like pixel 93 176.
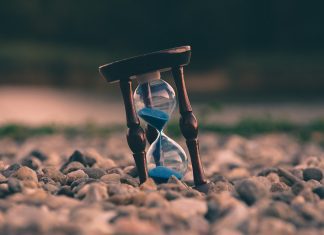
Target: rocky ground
pixel 267 184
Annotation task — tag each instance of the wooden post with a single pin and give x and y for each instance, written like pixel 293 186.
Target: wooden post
pixel 135 135
pixel 189 126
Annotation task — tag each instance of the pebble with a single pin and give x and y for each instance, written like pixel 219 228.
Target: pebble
pixel 279 187
pixel 15 185
pixel 172 195
pixel 132 225
pixel 187 207
pixel 71 166
pixel 148 185
pixel 32 162
pixel 54 175
pixel 3 179
pixel 251 191
pixel 25 173
pixel 319 191
pixel 220 186
pixel 87 161
pixel 118 189
pixel 4 190
pixel 39 155
pixel 94 192
pixel 155 200
pixel 131 170
pixel 11 169
pixel 115 170
pixel 75 175
pixel 111 178
pixel 94 173
pixel 312 173
pixel 51 188
pixel 127 179
pixel 65 190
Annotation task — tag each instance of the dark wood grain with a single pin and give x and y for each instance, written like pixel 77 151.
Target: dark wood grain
pixel 165 59
pixel 135 135
pixel 189 126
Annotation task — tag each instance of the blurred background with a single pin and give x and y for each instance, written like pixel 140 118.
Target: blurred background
pixel 249 58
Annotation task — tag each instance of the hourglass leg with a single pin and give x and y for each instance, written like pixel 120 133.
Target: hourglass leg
pixel 189 126
pixel 136 135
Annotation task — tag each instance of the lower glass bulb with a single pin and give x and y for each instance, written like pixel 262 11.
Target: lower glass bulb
pixel 166 158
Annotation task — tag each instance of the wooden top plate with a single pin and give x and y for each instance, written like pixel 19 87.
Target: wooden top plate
pixel 159 60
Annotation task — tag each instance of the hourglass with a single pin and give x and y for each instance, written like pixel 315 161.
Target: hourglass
pixel 153 101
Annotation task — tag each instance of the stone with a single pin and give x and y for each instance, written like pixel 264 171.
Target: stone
pixel 94 173
pixel 312 184
pixel 4 190
pixel 175 180
pixel 279 187
pixel 285 196
pixel 283 211
pixel 132 225
pixel 172 195
pixel 71 166
pixel 87 161
pixel 136 198
pixel 75 175
pixel 269 226
pixel 238 173
pixel 155 200
pixel 3 179
pixel 77 184
pixel 54 175
pixel 220 186
pixel 10 170
pixel 32 162
pixel 118 189
pixel 127 179
pixel 148 185
pixel 131 170
pixel 227 212
pixel 51 188
pixel 94 192
pixel 319 191
pixel 66 191
pixel 251 191
pixel 273 178
pixel 187 207
pixel 115 170
pixel 111 178
pixel 297 187
pixel 39 155
pixel 15 185
pixel 312 173
pixel 25 173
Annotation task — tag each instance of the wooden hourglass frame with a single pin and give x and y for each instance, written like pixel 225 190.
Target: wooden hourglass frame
pixel 123 71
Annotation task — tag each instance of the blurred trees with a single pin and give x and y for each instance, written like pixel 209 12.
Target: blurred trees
pixel 214 28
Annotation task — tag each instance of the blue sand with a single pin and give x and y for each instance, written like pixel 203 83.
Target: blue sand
pixel 161 174
pixel 154 117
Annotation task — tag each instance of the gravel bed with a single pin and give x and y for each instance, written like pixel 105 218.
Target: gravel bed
pixel 267 184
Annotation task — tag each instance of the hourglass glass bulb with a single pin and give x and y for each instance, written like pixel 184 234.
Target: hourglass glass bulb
pixel 154 99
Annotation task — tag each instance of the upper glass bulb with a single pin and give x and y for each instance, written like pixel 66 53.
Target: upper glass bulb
pixel 154 100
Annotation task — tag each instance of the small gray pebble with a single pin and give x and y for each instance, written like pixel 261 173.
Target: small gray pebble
pixel 95 173
pixel 251 191
pixel 312 173
pixel 15 185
